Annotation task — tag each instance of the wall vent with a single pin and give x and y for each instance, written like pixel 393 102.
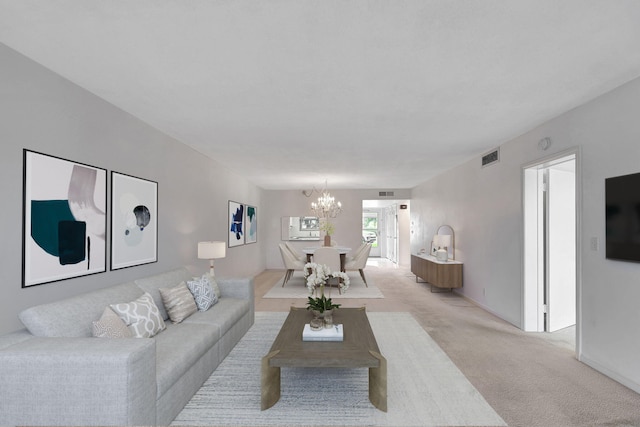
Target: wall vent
pixel 385 193
pixel 491 157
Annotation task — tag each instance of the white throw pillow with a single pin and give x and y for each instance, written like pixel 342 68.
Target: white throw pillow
pixel 141 316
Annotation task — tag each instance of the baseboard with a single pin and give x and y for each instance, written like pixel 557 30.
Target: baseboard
pixel 611 374
pixel 489 310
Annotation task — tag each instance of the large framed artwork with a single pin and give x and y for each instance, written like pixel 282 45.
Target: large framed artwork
pixel 236 224
pixel 64 219
pixel 134 221
pixel 251 224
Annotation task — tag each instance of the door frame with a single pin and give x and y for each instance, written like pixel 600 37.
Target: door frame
pixel 531 252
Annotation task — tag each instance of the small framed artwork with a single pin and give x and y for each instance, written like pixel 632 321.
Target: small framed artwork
pixel 64 219
pixel 134 221
pixel 251 225
pixel 236 224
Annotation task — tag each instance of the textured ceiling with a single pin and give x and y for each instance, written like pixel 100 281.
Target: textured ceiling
pixel 362 94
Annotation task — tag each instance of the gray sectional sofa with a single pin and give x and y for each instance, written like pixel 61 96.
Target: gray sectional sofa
pixel 56 373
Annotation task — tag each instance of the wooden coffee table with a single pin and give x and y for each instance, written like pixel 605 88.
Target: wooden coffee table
pixel 359 349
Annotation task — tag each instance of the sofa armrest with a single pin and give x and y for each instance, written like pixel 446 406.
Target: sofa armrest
pixel 78 381
pixel 236 288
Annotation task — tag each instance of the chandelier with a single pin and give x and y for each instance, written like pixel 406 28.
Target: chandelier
pixel 326 206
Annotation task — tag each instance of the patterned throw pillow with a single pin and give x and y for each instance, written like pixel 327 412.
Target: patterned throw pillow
pixel 178 302
pixel 110 325
pixel 141 316
pixel 203 293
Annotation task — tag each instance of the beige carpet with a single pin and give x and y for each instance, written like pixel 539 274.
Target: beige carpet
pixel 296 288
pixel 424 387
pixel 530 379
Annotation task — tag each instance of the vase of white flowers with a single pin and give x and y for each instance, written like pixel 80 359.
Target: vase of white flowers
pixel 319 304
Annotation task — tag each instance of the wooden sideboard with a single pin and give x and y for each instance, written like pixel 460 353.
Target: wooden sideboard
pixel 441 274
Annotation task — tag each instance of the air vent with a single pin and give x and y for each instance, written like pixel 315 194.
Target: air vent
pixel 385 193
pixel 491 157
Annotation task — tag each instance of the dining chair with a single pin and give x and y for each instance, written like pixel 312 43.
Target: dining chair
pixel 290 263
pixel 330 257
pixel 296 253
pixel 359 262
pixel 355 252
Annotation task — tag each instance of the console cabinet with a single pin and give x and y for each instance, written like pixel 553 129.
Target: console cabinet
pixel 441 274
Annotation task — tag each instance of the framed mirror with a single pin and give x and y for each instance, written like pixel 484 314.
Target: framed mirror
pixel 305 228
pixel 445 236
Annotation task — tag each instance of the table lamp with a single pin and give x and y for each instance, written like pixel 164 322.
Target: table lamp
pixel 211 251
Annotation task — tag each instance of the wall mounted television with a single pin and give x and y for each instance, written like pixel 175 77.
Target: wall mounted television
pixel 622 201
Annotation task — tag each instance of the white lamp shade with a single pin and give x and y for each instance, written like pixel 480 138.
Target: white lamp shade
pixel 445 240
pixel 211 250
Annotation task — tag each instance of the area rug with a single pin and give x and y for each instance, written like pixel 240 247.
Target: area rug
pixel 296 288
pixel 424 387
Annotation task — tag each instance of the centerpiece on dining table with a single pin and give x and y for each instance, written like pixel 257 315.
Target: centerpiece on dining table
pixel 321 306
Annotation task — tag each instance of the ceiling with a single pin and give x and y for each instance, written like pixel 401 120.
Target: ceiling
pixel 360 94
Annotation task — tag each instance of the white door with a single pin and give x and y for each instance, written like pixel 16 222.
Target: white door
pixel 550 241
pixel 561 247
pixel 392 232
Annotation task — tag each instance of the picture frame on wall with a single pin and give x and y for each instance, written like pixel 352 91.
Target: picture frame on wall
pixel 251 224
pixel 236 225
pixel 134 221
pixel 64 219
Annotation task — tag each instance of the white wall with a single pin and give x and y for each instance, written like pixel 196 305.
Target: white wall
pixel 348 232
pixel 484 206
pixel 41 111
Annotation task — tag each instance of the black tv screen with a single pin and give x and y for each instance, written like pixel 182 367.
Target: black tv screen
pixel 622 196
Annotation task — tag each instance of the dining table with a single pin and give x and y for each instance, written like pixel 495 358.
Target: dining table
pixel 342 250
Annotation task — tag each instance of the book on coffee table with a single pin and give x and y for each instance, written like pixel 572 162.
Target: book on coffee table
pixel 334 333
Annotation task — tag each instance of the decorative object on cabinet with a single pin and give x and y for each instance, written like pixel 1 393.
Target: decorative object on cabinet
pixel 444 239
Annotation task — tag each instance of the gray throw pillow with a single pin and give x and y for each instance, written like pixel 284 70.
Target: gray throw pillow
pixel 203 293
pixel 178 302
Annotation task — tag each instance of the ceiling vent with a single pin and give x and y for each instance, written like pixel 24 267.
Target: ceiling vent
pixel 385 193
pixel 491 157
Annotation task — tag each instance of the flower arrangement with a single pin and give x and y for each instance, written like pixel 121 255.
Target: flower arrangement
pixel 327 226
pixel 317 276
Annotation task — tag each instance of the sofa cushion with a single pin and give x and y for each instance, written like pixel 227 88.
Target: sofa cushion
pixel 178 348
pixel 110 325
pixel 203 293
pixel 224 314
pixel 142 316
pixel 73 316
pixel 152 285
pixel 178 302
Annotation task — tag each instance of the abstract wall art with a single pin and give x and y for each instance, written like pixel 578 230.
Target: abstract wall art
pixel 64 219
pixel 251 224
pixel 236 224
pixel 134 221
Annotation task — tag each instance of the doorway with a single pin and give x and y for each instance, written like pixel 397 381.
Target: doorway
pixel 550 243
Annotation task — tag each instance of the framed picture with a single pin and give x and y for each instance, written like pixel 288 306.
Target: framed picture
pixel 251 224
pixel 64 219
pixel 236 224
pixel 134 221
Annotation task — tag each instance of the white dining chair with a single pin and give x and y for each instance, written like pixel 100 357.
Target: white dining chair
pixel 296 253
pixel 330 257
pixel 359 262
pixel 290 263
